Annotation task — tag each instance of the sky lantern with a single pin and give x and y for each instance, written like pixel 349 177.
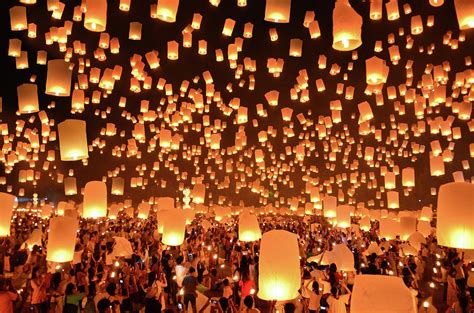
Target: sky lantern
pixel 73 140
pixel 376 71
pixel 46 211
pixel 58 80
pixel 174 224
pixel 70 187
pixel 277 11
pixel 198 193
pixel 407 226
pixel 7 202
pixel 118 184
pixel 166 10
pixel 381 293
pixel 96 15
pixel 143 210
pixel 279 275
pixel 347 27
pixel 28 98
pixel 249 229
pixel 455 219
pixel 61 239
pixel 343 216
pixel 95 200
pixel 376 10
pixel 392 200
pixel 465 13
pixel 329 206
pixel 408 177
pixel 18 20
pixel 389 228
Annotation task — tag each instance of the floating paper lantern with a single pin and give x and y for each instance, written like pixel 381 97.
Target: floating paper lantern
pixel 278 11
pixel 436 3
pixel 198 193
pixel 166 10
pixel 392 200
pixel 95 200
pixel 70 187
pixel 455 220
pixel 7 202
pixel 342 256
pixel 73 140
pixel 465 13
pixel 174 224
pixel 343 216
pixel 381 293
pixel 58 79
pixel 96 15
pixel 279 276
pixel 249 229
pixel 389 228
pixel 347 25
pixel 376 9
pixel 27 98
pixel 407 226
pixel 18 20
pixel 46 211
pixel 61 239
pixel 408 177
pixel 117 186
pixel 143 210
pixel 376 71
pixel 329 206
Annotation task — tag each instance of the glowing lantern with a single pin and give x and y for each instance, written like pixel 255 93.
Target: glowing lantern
pixel 390 180
pixel 61 239
pixel 376 9
pixel 343 216
pixel 96 15
pixel 174 224
pixel 407 226
pixel 376 71
pixel 143 210
pixel 95 200
pixel 329 206
pixel 464 13
pixel 70 187
pixel 408 177
pixel 46 211
pixel 249 229
pixel 73 140
pixel 58 79
pixel 7 202
pixel 279 276
pixel 18 20
pixel 436 3
pixel 392 200
pixel 436 165
pixel 117 186
pixel 135 31
pixel 389 228
pixel 166 10
pixel 455 220
pixel 27 98
pixel 392 10
pixel 173 52
pixel 277 11
pixel 198 193
pixel 347 26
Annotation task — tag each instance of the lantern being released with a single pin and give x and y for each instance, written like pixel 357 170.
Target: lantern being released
pixel 73 140
pixel 61 239
pixel 249 229
pixel 58 80
pixel 174 224
pixel 95 200
pixel 279 277
pixel 455 220
pixel 96 15
pixel 7 202
pixel 347 25
pixel 278 11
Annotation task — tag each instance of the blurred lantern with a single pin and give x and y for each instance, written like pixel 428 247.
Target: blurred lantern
pixel 18 20
pixel 392 200
pixel 95 200
pixel 455 219
pixel 143 210
pixel 58 79
pixel 117 186
pixel 343 216
pixel 279 275
pixel 70 187
pixel 96 15
pixel 27 98
pixel 7 202
pixel 436 3
pixel 407 227
pixel 329 206
pixel 61 239
pixel 198 193
pixel 73 140
pixel 278 11
pixel 389 228
pixel 174 224
pixel 376 71
pixel 166 10
pixel 347 27
pixel 465 13
pixel 249 229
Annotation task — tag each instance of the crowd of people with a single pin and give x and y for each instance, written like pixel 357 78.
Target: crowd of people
pixel 212 271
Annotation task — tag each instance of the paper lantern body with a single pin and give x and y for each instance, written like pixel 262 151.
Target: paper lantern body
pixel 167 9
pixel 249 229
pixel 27 98
pixel 342 256
pixel 279 276
pixel 465 13
pixel 95 200
pixel 347 27
pixel 174 224
pixel 329 206
pixel 58 79
pixel 407 226
pixel 381 293
pixel 96 15
pixel 343 216
pixel 73 140
pixel 455 220
pixel 61 239
pixel 7 202
pixel 278 11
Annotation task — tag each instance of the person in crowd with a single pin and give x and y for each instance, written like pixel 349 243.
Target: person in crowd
pixel 190 284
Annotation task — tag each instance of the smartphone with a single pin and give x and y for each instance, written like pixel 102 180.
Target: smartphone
pixel 180 306
pixel 213 301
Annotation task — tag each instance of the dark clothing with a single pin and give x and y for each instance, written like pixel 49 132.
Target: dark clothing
pixel 190 284
pixel 190 298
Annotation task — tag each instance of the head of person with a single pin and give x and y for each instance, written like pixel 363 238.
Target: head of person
pixel 111 289
pixel 192 270
pixel 306 274
pixel 179 260
pixel 104 306
pixel 248 302
pixel 225 282
pixel 315 287
pixel 70 289
pixel 289 307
